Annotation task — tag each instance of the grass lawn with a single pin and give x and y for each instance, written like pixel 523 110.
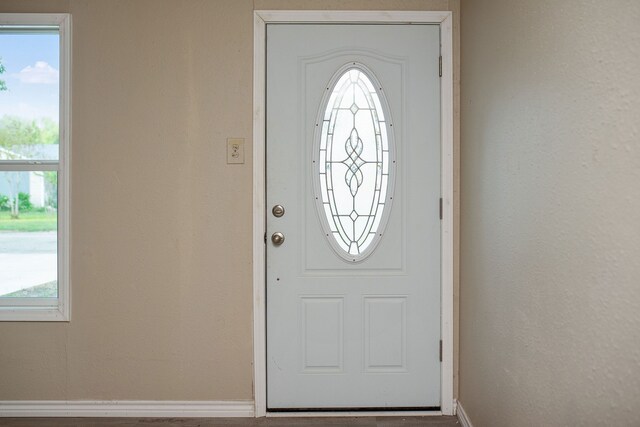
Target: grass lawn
pixel 28 221
pixel 46 290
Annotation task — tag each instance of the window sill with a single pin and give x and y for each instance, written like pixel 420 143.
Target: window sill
pixel 33 314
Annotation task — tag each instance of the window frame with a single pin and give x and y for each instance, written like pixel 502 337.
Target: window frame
pixel 49 309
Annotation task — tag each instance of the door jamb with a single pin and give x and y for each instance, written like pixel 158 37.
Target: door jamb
pixel 261 18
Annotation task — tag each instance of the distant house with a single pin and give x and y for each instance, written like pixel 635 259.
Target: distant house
pixel 32 183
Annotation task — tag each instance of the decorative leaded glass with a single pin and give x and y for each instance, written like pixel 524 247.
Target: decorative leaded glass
pixel 354 162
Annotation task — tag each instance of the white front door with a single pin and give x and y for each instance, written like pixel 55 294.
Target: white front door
pixel 353 159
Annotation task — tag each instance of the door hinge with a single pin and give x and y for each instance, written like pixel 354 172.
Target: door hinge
pixel 440 66
pixel 441 208
pixel 265 237
pixel 441 350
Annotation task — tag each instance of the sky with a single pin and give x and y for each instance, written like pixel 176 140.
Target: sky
pixel 32 64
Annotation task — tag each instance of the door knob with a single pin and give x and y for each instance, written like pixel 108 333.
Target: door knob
pixel 277 211
pixel 277 238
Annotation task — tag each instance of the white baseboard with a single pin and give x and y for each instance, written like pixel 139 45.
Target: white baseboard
pixel 126 408
pixel 462 416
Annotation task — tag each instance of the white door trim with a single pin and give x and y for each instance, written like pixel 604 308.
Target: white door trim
pixel 261 18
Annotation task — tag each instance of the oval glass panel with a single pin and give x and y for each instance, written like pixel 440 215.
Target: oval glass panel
pixel 354 158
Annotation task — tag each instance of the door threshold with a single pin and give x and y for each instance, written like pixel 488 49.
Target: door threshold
pixel 359 409
pixel 355 413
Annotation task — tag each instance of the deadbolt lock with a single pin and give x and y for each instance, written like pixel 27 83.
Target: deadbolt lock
pixel 277 211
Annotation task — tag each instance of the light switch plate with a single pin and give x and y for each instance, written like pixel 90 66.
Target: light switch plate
pixel 235 150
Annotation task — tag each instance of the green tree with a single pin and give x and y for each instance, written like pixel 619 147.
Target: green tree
pixel 19 136
pixel 3 84
pixel 13 179
pixel 51 188
pixel 49 132
pixel 23 136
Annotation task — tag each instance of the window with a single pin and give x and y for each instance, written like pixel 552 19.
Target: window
pixel 354 162
pixel 34 166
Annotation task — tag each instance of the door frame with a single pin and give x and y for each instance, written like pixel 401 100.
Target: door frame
pixel 260 20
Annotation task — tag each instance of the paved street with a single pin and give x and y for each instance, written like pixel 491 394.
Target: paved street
pixel 26 259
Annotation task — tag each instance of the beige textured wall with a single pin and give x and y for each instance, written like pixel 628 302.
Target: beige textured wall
pixel 161 230
pixel 550 249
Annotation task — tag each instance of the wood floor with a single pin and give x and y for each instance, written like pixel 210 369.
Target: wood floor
pixel 214 422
